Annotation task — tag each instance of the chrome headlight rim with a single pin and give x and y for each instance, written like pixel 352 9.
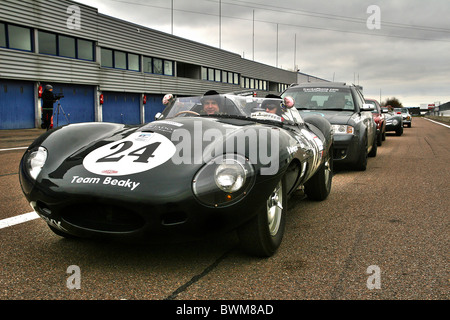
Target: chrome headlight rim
pixel 230 177
pixel 224 180
pixel 35 161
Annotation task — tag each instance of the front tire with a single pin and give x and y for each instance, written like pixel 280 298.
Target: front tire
pixel 262 235
pixel 379 139
pixel 361 163
pixel 373 152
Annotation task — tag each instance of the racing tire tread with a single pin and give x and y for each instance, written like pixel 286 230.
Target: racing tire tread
pixel 254 236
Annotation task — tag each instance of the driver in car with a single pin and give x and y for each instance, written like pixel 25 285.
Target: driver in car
pixel 272 106
pixel 211 103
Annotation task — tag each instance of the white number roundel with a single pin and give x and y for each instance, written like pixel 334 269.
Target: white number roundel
pixel 139 152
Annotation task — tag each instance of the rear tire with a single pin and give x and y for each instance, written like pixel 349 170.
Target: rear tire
pixel 262 235
pixel 318 187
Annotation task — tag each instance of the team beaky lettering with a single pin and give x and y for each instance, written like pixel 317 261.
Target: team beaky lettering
pixel 108 180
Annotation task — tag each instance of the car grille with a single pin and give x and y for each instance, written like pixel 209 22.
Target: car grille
pixel 100 217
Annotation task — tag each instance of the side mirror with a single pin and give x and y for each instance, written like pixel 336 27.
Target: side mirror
pixel 367 107
pixel 158 116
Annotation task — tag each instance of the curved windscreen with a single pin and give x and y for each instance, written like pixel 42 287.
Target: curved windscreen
pixel 268 109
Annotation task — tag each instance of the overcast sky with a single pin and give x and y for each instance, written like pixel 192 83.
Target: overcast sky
pixel 393 48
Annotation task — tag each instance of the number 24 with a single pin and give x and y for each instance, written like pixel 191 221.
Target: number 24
pixel 123 146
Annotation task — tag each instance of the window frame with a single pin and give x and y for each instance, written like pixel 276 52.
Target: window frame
pixel 114 58
pixel 8 40
pixel 164 69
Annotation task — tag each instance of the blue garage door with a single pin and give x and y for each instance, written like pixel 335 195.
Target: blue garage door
pixel 16 104
pixel 120 107
pixel 153 106
pixel 78 104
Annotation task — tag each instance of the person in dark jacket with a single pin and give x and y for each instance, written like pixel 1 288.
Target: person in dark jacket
pixel 48 99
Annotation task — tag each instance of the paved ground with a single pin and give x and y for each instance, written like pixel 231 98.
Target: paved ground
pixel 394 217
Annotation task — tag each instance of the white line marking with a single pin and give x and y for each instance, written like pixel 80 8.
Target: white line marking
pixel 437 122
pixel 8 222
pixel 9 149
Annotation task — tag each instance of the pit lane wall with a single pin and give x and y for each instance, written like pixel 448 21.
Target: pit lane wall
pixel 86 56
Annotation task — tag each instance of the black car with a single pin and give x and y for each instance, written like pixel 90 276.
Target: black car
pixel 191 174
pixel 344 107
pixel 394 121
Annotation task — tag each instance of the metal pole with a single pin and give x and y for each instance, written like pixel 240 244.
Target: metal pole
pixel 253 36
pixel 295 52
pixel 277 45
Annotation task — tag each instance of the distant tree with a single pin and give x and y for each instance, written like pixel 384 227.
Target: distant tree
pixel 393 102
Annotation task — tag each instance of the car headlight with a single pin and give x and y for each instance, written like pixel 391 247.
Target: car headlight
pixel 230 177
pixel 395 122
pixel 342 129
pixel 223 180
pixel 36 161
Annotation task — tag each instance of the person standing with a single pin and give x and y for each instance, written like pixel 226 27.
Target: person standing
pixel 48 99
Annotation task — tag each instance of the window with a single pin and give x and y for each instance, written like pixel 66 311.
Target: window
pixel 230 77
pixel 217 75
pixel 133 62
pixel 19 38
pixel 236 78
pixel 157 66
pixel 211 74
pixel 148 64
pixel 107 58
pixel 204 73
pixel 47 43
pixel 224 76
pixel 2 35
pixel 67 47
pixel 85 50
pixel 168 68
pixel 120 60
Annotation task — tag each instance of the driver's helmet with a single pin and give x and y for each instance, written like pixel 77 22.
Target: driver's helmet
pixel 273 103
